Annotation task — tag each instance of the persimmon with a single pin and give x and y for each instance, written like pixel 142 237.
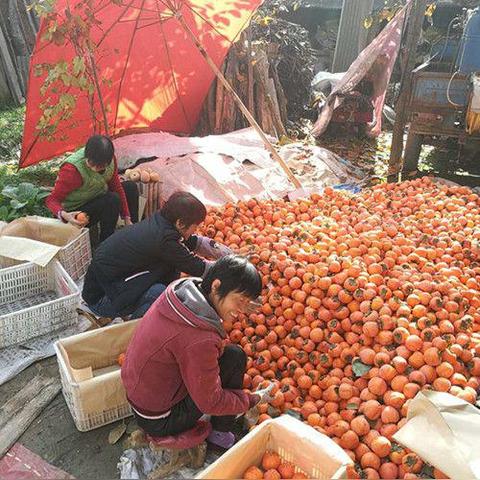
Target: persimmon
pixel 388 278
pixel 252 473
pixel 286 470
pixel 271 460
pixel 121 359
pixel 272 474
pixel 82 218
pixel 370 459
pixel 360 425
pixel 411 462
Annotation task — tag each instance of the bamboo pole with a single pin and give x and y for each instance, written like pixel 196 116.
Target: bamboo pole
pixel 240 104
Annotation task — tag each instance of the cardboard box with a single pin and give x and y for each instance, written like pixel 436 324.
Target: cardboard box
pixel 314 453
pixel 91 381
pixel 38 240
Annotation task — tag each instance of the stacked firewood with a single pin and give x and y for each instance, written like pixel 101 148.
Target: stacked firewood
pixel 251 69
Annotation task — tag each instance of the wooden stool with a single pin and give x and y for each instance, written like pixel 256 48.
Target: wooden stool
pixel 187 449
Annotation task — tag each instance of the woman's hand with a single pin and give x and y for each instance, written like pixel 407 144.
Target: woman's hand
pixel 128 221
pixel 71 218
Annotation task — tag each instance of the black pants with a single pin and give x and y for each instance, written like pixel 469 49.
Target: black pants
pixel 105 209
pixel 184 415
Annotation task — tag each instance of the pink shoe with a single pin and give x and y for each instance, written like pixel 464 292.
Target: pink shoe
pixel 222 439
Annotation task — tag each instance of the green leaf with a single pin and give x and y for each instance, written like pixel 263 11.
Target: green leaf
pixel 26 191
pixel 352 406
pixel 9 191
pixel 43 194
pixel 294 414
pixel 4 213
pixel 16 205
pixel 78 65
pixel 427 471
pixel 359 368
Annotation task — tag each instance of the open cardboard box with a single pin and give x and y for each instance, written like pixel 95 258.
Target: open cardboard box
pixel 314 453
pixel 90 374
pixel 39 239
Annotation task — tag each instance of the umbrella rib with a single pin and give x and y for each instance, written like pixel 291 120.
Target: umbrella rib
pixel 207 22
pixel 115 22
pixel 173 72
pixel 148 25
pixel 122 78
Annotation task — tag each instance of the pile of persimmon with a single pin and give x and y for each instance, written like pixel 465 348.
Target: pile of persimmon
pixel 273 467
pixel 367 300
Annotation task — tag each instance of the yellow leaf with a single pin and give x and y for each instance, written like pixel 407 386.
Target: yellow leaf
pixel 430 9
pixel 265 20
pixel 368 22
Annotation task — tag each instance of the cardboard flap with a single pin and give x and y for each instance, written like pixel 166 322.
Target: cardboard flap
pixel 98 348
pixel 77 375
pixel 443 430
pixel 103 390
pixel 41 229
pixel 26 249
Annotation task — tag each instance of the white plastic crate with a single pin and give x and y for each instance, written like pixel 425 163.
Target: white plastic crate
pixel 77 255
pixel 34 301
pixel 310 451
pixel 91 378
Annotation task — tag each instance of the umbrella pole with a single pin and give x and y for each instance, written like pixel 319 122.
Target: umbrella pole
pixel 239 102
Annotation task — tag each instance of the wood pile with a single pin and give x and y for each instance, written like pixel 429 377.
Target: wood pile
pixel 251 69
pixel 18 29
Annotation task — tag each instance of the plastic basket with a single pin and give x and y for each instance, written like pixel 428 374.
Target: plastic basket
pixel 94 399
pixel 75 256
pixel 34 301
pixel 312 452
pixel 88 421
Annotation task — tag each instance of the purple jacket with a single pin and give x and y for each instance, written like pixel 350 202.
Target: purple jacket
pixel 174 352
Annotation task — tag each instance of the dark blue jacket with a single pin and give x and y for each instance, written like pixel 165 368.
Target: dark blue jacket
pixel 130 261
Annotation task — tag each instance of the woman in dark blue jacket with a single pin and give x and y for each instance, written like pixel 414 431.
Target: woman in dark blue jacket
pixel 132 267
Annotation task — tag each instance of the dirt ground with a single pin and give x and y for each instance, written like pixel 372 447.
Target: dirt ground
pixel 54 437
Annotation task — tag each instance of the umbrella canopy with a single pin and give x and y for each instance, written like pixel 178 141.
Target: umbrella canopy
pixel 117 65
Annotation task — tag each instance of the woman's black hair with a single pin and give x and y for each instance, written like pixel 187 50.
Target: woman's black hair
pixel 99 150
pixel 236 274
pixel 185 207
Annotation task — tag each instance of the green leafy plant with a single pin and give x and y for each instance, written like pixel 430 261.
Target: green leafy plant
pixel 19 200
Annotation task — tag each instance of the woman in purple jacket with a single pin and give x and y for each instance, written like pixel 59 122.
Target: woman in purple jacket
pixel 176 368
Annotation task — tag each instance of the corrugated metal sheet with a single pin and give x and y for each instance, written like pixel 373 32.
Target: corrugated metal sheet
pixel 352 35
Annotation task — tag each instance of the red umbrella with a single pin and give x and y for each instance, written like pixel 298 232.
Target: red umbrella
pixel 114 65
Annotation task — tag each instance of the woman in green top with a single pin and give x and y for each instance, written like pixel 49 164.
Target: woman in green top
pixel 88 183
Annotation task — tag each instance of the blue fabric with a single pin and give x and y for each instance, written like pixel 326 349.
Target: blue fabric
pixel 105 308
pixel 350 187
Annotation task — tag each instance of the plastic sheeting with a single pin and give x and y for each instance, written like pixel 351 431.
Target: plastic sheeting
pixel 377 61
pixel 232 167
pixel 16 358
pixel 19 463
